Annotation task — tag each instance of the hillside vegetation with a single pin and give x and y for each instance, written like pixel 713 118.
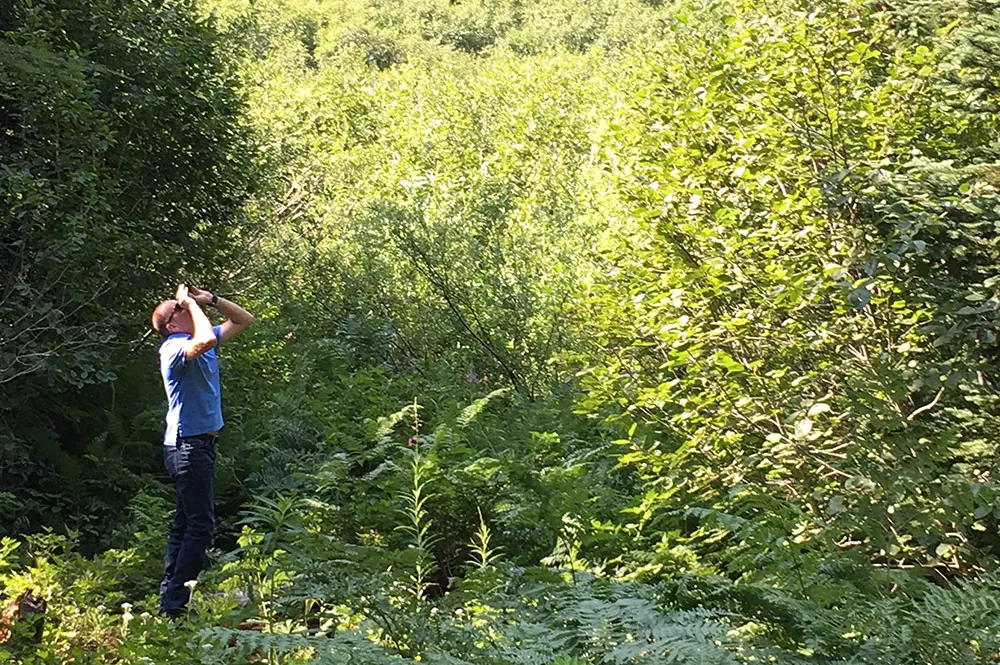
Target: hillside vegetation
pixel 588 332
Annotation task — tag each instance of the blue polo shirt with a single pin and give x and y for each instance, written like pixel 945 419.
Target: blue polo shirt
pixel 194 395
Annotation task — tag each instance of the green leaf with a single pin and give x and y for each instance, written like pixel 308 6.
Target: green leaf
pixel 818 408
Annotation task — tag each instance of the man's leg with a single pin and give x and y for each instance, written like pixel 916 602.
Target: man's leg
pixel 173 544
pixel 195 493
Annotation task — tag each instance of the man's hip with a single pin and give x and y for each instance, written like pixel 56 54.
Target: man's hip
pixel 191 455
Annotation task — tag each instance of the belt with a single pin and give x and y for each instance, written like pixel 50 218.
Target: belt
pixel 212 436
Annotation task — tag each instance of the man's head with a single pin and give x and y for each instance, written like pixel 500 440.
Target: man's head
pixel 170 318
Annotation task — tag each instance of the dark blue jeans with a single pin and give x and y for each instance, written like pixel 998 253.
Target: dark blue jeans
pixel 192 466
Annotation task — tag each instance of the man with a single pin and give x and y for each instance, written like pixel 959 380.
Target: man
pixel 190 373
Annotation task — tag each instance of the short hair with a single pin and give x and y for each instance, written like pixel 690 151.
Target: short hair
pixel 161 315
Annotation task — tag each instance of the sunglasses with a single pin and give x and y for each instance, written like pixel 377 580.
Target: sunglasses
pixel 177 308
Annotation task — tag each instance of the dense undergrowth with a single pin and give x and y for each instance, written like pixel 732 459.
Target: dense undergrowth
pixel 588 332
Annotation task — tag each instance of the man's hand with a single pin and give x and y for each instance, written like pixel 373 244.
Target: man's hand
pixel 182 294
pixel 237 318
pixel 201 296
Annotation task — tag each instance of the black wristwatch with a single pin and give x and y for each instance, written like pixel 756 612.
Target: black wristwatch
pixel 215 299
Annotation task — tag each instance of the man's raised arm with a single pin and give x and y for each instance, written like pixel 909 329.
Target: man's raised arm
pixel 203 337
pixel 237 318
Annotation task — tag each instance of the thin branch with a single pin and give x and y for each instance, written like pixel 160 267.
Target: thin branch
pixel 927 407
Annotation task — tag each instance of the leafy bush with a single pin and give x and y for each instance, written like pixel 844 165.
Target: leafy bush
pixel 124 161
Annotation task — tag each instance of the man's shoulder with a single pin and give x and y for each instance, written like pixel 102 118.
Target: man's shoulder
pixel 171 353
pixel 170 344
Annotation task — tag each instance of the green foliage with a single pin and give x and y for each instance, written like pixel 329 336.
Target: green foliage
pixel 796 332
pixel 588 332
pixel 124 162
pixel 92 126
pixel 482 554
pixel 417 524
